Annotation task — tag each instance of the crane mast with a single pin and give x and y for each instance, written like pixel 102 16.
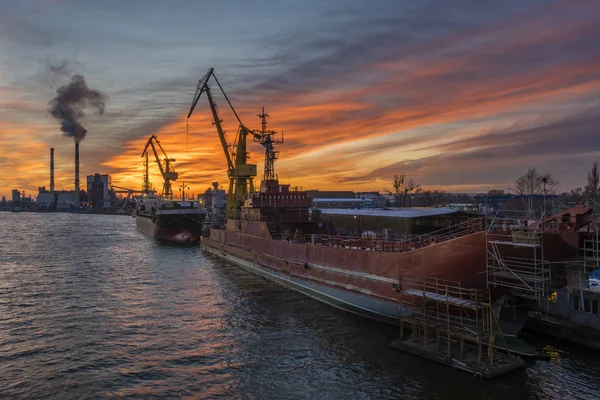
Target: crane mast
pixel 240 173
pixel 166 170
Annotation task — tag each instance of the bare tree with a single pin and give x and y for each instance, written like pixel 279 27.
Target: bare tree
pixel 403 186
pixel 576 195
pixel 409 187
pixel 593 186
pixel 398 187
pixel 438 196
pixel 534 183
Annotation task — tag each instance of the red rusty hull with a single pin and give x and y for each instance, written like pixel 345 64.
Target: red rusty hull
pixel 374 273
pixel 371 273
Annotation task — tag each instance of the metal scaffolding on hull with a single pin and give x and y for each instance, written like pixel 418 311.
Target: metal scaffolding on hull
pixel 515 254
pixel 446 314
pixel 453 326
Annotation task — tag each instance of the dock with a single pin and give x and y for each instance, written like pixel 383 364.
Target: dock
pixel 453 326
pixel 468 361
pixel 563 329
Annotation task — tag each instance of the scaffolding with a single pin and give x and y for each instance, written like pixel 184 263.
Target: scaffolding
pixel 591 253
pixel 515 254
pixel 445 316
pixel 584 273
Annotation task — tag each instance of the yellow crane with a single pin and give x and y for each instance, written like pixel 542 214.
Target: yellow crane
pixel 166 170
pixel 240 173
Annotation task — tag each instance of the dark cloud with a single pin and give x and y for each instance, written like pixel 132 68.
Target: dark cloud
pixel 387 32
pixel 468 57
pixel 54 69
pixel 501 156
pixel 572 134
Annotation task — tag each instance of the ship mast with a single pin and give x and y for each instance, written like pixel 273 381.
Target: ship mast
pixel 265 139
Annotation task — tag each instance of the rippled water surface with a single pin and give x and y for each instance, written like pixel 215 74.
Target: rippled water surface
pixel 91 308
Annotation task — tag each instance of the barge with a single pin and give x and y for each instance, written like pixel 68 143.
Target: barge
pixel 167 220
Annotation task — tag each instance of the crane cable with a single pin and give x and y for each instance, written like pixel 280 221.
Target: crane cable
pixel 187 137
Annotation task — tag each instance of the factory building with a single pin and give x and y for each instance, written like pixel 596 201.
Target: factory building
pixel 16 197
pixel 97 191
pixel 65 200
pixel 214 199
pixel 46 200
pixel 377 200
pixel 392 223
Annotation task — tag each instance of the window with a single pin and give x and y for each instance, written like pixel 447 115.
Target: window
pixel 589 305
pixel 586 304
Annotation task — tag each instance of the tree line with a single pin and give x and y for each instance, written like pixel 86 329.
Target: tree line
pixel 408 193
pixel 529 187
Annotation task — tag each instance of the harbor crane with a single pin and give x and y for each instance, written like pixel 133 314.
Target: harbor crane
pixel 166 169
pixel 239 171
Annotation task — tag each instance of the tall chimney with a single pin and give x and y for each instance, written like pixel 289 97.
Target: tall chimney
pixel 52 169
pixel 77 174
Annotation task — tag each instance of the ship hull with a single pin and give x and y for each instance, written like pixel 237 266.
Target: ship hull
pixel 180 229
pixel 363 282
pixel 356 303
pixel 359 281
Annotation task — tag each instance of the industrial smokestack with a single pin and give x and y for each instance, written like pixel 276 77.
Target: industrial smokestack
pixel 77 174
pixel 52 169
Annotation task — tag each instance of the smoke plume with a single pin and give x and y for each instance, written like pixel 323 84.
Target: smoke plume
pixel 68 107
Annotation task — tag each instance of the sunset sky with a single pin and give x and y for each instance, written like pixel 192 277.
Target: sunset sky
pixel 462 95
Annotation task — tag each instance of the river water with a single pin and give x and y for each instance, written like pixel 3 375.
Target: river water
pixel 92 308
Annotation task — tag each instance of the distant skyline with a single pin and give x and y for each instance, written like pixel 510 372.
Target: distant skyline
pixel 461 95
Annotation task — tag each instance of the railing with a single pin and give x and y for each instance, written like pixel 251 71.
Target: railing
pixel 378 243
pixel 461 229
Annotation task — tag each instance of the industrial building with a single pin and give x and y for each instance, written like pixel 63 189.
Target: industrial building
pixel 377 200
pixel 335 199
pixel 16 197
pixel 46 200
pixel 346 199
pixel 62 200
pixel 98 191
pixel 214 199
pixel 67 199
pixel 408 221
